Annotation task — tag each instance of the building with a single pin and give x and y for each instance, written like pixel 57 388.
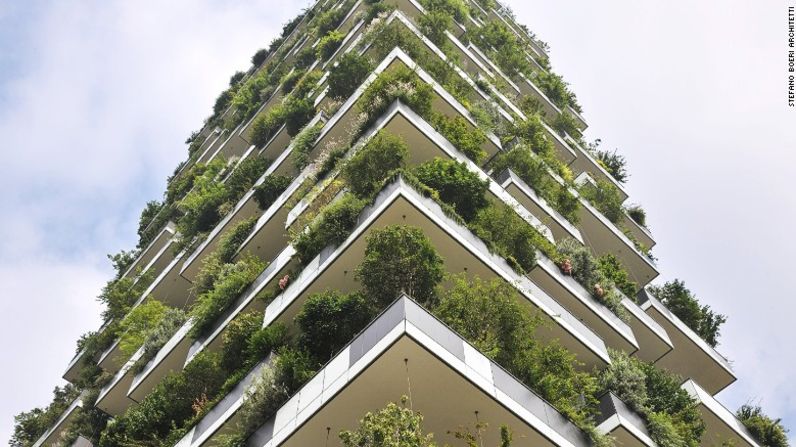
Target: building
pixel 430 138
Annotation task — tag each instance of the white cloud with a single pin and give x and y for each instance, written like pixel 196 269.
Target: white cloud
pixel 93 118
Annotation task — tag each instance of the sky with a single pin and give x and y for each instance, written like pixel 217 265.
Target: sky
pixel 97 99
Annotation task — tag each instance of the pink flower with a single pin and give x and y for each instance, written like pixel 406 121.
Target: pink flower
pixel 566 266
pixel 283 282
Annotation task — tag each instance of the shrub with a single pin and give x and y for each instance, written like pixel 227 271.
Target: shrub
pixel 303 145
pixel 231 241
pixel 767 431
pixel 456 185
pixel 534 172
pixel 663 431
pixel 290 80
pixel 466 138
pixel 243 177
pixel 330 320
pixel 346 76
pixel 259 57
pixel 329 20
pixel 227 285
pixel 298 112
pixel 433 25
pixel 566 124
pixel 236 337
pixel 138 324
pixel 265 126
pixel 613 163
pixel 30 425
pixel 368 168
pixel 627 379
pixel 329 44
pixel 392 426
pixel 169 406
pixel 272 187
pixel 458 9
pixel 168 325
pixel 149 212
pixel 305 57
pixel 555 88
pixel 605 197
pixel 400 259
pixel 509 235
pixel 611 269
pixel 701 319
pixel 332 227
pixel 120 294
pixel 401 84
pixel 201 205
pixel 667 396
pixel 637 213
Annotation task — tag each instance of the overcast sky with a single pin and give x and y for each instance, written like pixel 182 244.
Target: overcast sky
pixel 97 98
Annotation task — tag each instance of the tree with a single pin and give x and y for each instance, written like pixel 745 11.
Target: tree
pixel 456 185
pixel 400 258
pixel 701 319
pixel 392 426
pixel 368 168
pixel 349 72
pixel 764 429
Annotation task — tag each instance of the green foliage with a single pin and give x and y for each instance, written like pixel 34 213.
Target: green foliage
pixel 346 76
pixel 595 276
pixel 534 172
pixel 236 337
pixel 400 83
pixel 265 126
pixel 612 270
pixel 701 319
pixel 328 21
pixel 30 425
pixel 626 378
pixel 329 320
pixel 393 426
pixel 303 145
pixel 270 189
pixel 329 44
pixel 566 124
pixel 605 197
pixel 243 177
pixel 613 163
pixel 667 396
pixel 458 9
pixel 489 314
pixel 508 52
pixel 122 260
pixel 259 57
pixel 231 241
pixel 120 294
pixel 663 430
pixel 147 215
pixel 229 281
pixel 138 324
pixel 466 138
pixel 368 168
pixel 767 431
pixel 298 112
pixel 169 324
pixel 169 406
pixel 201 205
pixel 555 89
pixel 637 213
pixel 456 185
pixel 509 235
pixel 332 227
pixel 433 25
pixel 399 259
pixel 290 80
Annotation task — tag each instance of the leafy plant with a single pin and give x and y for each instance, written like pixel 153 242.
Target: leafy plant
pixel 298 112
pixel 399 259
pixel 346 76
pixel 231 241
pixel 508 235
pixel 138 324
pixel 290 80
pixel 265 126
pixel 605 197
pixel 401 84
pixel 303 145
pixel 392 426
pixel 466 138
pixel 259 57
pixel 243 177
pixel 614 163
pixel 433 25
pixel 700 318
pixel 30 425
pixel 332 227
pixel 368 168
pixel 329 44
pixel 455 184
pixel 270 189
pixel 767 431
pixel 612 270
pixel 159 335
pixel 637 213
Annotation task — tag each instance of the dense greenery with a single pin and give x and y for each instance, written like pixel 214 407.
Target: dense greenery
pixel 366 170
pixel 346 76
pixel 157 336
pixel 456 185
pixel 605 197
pixel 270 189
pixel 331 227
pixel 138 324
pixel 329 44
pixel 30 425
pixel 465 137
pixel 231 241
pixel 700 318
pixel 767 431
pixel 638 214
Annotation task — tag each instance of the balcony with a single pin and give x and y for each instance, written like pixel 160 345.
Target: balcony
pixel 527 197
pixel 603 237
pixel 171 357
pixel 112 398
pixel 640 233
pixel 620 422
pixel 451 381
pixel 570 294
pixel 170 287
pixel 653 340
pixel 52 436
pixel 585 162
pixel 247 302
pixel 155 249
pixel 691 357
pixel 721 425
pixel 398 203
